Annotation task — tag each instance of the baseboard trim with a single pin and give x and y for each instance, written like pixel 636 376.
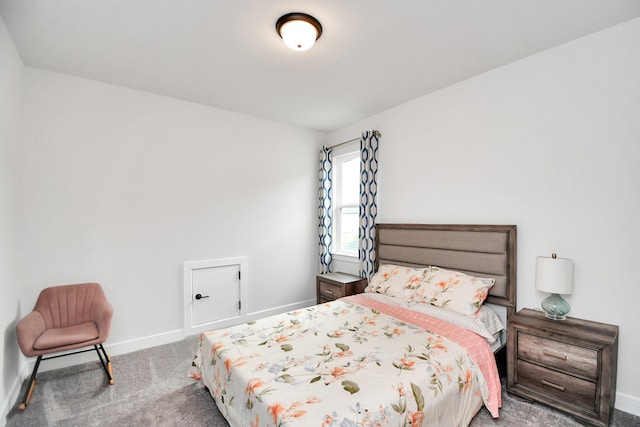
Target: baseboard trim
pixel 224 323
pixel 113 349
pixel 142 343
pixel 282 309
pixel 628 403
pixel 145 342
pixel 13 395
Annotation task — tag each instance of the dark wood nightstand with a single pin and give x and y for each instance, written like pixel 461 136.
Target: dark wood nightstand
pixel 331 286
pixel 568 364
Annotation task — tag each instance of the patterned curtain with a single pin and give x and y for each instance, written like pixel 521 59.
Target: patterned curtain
pixel 368 201
pixel 324 211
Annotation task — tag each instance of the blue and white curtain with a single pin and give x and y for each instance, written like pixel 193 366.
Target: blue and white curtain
pixel 324 211
pixel 368 205
pixel 368 201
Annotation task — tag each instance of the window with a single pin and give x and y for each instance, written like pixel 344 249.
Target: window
pixel 346 201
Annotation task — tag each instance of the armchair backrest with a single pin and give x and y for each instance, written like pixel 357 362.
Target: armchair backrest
pixel 69 305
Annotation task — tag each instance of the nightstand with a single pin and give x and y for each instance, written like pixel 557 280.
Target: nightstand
pixel 331 286
pixel 568 364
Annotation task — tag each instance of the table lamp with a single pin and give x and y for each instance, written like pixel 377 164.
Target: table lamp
pixel 554 275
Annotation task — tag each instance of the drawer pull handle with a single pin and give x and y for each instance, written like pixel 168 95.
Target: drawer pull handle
pixel 328 291
pixel 552 385
pixel 556 355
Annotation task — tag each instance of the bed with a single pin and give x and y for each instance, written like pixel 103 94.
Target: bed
pixel 408 351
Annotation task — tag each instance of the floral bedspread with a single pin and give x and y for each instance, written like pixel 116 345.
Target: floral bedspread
pixel 346 363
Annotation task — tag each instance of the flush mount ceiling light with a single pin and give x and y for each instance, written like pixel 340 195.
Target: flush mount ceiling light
pixel 299 31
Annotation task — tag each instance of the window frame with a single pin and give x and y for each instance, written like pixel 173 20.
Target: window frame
pixel 344 154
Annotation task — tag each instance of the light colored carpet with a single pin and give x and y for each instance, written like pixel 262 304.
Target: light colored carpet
pixel 152 389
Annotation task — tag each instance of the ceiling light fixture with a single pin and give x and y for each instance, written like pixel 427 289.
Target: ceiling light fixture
pixel 299 31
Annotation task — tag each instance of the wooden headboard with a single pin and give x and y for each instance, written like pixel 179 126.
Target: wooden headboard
pixel 478 250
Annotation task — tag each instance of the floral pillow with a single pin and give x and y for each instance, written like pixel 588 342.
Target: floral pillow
pixel 396 281
pixel 453 290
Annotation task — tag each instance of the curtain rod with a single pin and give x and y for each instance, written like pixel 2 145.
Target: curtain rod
pixel 375 132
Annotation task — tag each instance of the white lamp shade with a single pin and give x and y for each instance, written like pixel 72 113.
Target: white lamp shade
pixel 554 275
pixel 298 35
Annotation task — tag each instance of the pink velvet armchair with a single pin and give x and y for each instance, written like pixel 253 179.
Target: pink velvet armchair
pixel 65 318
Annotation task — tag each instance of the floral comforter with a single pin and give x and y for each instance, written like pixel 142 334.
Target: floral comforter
pixel 348 363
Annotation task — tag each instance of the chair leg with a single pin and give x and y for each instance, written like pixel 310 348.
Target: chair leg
pixel 32 385
pixel 105 360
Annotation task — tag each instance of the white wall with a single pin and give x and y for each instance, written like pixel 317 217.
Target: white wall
pixel 121 187
pixel 550 143
pixel 10 91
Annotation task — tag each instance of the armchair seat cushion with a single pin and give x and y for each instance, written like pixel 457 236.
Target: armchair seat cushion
pixel 58 337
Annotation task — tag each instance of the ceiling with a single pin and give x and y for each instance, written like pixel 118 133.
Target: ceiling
pixel 372 56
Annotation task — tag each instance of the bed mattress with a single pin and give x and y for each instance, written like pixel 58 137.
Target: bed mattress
pixel 349 362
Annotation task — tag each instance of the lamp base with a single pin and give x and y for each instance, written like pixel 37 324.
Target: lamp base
pixel 555 307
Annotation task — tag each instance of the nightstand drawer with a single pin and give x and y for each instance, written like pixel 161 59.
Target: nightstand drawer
pixel 330 291
pixel 565 388
pixel 556 354
pixel 331 286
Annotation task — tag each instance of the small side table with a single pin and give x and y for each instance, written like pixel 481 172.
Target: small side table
pixel 568 364
pixel 332 286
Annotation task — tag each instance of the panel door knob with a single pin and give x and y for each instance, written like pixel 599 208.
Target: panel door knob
pixel 200 296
